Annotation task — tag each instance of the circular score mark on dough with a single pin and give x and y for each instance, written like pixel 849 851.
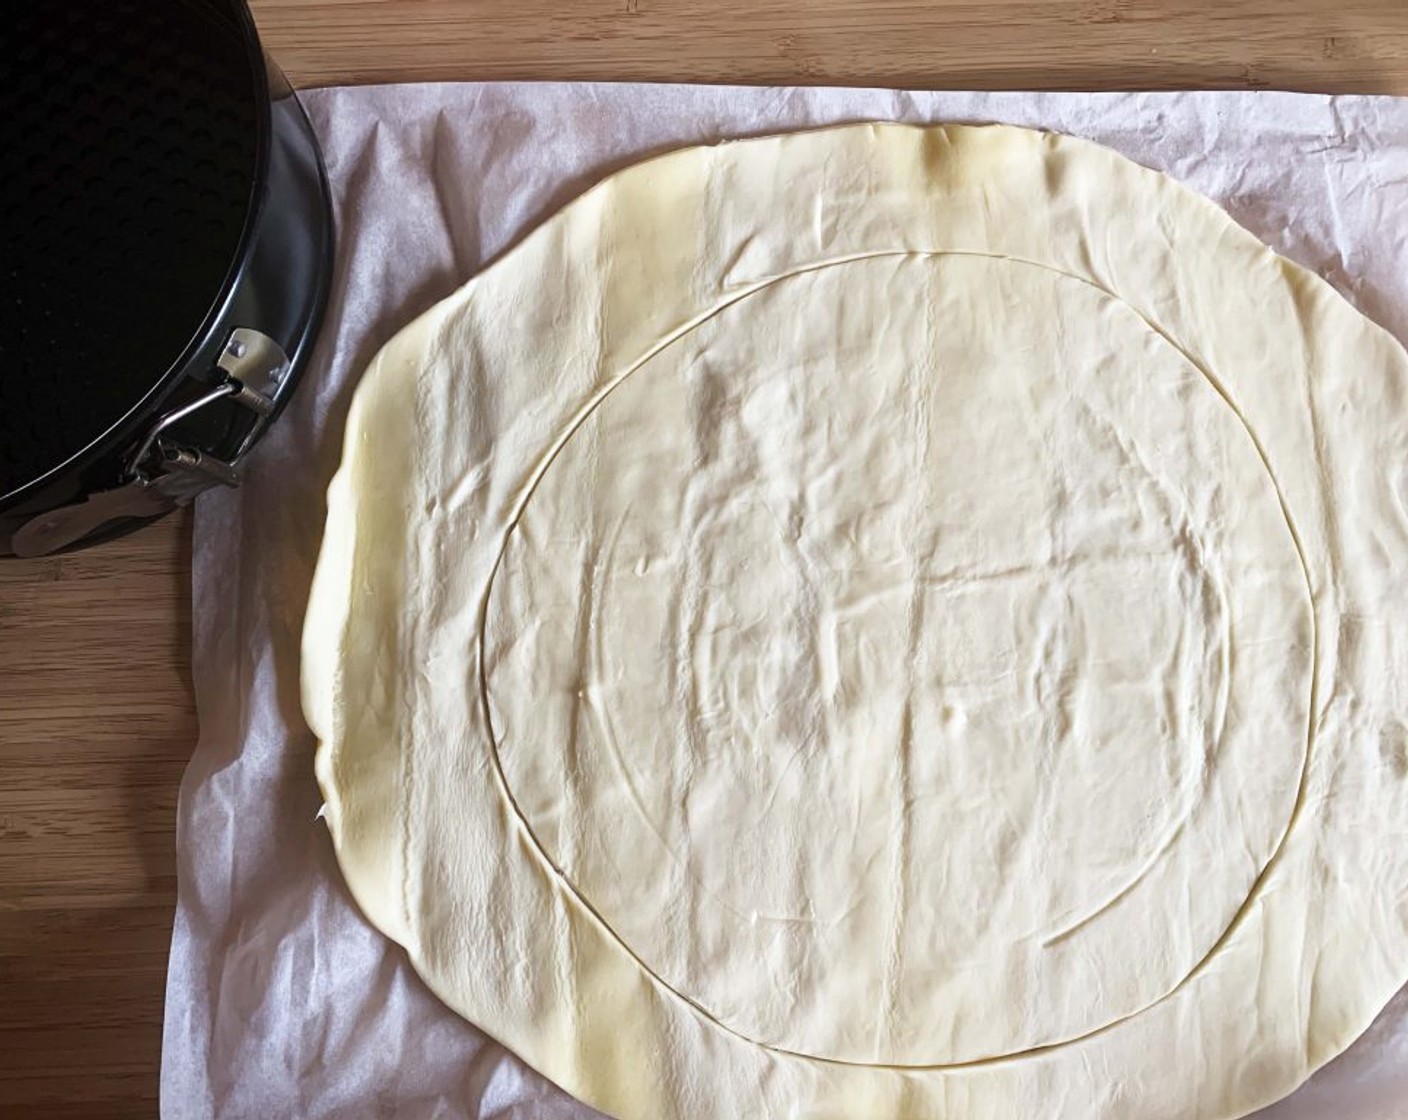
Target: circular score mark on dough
pixel 863 676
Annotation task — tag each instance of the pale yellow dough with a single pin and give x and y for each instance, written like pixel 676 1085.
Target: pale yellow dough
pixel 881 622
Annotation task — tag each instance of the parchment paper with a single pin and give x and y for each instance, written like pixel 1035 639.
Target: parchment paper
pixel 281 1000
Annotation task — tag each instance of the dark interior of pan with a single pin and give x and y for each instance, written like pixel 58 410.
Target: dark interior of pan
pixel 131 143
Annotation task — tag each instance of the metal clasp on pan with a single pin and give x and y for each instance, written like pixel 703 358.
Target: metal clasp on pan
pixel 158 474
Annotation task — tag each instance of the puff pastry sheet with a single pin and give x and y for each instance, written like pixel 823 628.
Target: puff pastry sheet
pixel 883 621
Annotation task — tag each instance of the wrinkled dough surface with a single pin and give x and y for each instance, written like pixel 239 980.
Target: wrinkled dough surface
pixel 890 573
pixel 881 622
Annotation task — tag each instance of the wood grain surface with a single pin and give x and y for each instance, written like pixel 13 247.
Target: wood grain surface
pixel 97 716
pixel 97 720
pixel 1331 45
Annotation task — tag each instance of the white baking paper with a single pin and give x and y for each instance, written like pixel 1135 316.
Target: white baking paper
pixel 282 1001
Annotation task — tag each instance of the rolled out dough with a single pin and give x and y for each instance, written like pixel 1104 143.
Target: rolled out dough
pixel 883 621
